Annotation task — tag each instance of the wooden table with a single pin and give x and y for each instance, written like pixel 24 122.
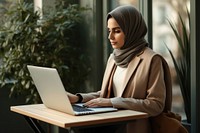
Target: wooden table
pixel 35 112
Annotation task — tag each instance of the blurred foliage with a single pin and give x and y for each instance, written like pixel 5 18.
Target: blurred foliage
pixel 182 64
pixel 51 41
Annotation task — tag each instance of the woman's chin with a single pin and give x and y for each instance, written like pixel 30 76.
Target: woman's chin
pixel 115 47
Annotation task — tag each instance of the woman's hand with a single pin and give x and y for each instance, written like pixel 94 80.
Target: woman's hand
pixel 98 102
pixel 73 98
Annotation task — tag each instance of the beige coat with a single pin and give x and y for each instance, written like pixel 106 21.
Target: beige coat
pixel 146 88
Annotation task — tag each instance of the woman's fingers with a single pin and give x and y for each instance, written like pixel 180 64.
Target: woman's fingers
pixel 98 102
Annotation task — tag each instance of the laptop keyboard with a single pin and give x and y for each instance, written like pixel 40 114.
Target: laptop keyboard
pixel 80 109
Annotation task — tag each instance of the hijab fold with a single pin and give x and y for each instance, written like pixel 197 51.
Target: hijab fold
pixel 133 25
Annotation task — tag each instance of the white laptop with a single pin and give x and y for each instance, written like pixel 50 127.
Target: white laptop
pixel 53 94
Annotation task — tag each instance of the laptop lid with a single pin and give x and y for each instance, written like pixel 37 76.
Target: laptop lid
pixel 52 91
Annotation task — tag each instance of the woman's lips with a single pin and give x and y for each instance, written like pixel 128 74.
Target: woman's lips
pixel 113 43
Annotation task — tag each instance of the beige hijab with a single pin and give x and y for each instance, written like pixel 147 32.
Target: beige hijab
pixel 133 25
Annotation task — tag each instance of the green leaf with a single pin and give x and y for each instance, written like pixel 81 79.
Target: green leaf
pixel 182 65
pixel 26 38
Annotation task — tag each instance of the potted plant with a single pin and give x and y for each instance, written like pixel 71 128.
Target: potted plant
pixel 51 41
pixel 182 64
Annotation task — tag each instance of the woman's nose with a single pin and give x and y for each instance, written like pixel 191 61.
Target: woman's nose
pixel 110 36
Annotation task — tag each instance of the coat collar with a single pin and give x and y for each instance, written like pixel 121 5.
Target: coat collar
pixel 130 70
pixel 111 67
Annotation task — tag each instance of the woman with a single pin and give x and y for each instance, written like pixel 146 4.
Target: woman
pixel 136 78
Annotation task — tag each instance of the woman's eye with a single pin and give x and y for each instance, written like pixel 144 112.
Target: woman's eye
pixel 114 31
pixel 117 31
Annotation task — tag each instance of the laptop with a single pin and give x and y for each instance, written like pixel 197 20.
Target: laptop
pixel 53 93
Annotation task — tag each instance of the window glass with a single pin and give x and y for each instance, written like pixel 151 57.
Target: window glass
pixel 4 4
pixel 164 10
pixel 115 3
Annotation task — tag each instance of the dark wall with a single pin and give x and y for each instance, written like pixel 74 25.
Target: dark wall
pixel 11 122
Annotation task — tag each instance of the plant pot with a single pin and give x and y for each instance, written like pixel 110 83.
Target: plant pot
pixel 186 125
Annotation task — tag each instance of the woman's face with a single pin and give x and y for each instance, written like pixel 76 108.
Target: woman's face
pixel 116 35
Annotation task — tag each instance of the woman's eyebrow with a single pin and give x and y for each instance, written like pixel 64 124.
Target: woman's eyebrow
pixel 114 28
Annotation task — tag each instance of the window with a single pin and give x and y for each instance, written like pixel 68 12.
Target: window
pixel 163 34
pixel 115 3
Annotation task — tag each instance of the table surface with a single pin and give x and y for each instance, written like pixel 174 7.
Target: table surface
pixel 42 113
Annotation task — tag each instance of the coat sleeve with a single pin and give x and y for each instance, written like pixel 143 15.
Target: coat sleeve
pixel 154 101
